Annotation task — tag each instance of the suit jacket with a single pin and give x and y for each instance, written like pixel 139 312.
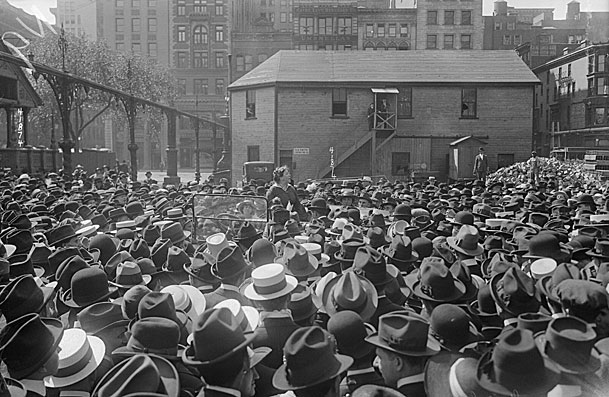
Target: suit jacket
pixel 413 390
pixel 221 294
pixel 272 332
pixel 481 163
pixel 354 380
pixel 385 306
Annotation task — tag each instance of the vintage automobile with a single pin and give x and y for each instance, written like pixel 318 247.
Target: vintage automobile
pixel 259 171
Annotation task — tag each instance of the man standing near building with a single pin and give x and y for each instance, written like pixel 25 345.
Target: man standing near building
pixel 481 165
pixel 533 163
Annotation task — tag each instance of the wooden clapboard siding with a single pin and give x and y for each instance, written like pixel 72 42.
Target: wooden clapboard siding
pixel 419 149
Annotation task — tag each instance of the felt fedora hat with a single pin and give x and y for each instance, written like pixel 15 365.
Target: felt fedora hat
pixel 229 262
pixel 21 356
pixel 156 335
pixel 297 260
pixel 101 316
pixel 269 282
pixel 452 327
pixel 23 296
pixel 131 300
pixel 534 322
pixel 569 343
pixel 21 239
pixel 176 259
pixel 515 366
pixel 547 245
pixel 466 241
pixel 88 286
pixel 400 250
pixel 600 250
pixel 514 291
pixel 79 356
pixel 247 316
pixel 301 303
pixel 404 333
pixel 22 264
pixel 377 238
pixel 262 252
pixel 372 265
pixel 349 291
pixel 129 274
pixel 200 269
pixel 142 374
pixel 350 332
pixel 151 233
pixel 347 251
pixel 174 232
pixel 315 249
pixel 60 234
pixel 247 232
pixel 436 283
pixel 547 284
pixel 221 326
pixel 305 346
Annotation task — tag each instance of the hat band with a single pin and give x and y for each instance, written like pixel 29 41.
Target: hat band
pixel 129 279
pixel 77 366
pixel 270 289
pixel 137 346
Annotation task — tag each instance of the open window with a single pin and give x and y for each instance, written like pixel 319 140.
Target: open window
pixel 382 112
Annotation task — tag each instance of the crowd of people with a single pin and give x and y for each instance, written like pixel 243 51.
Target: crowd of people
pixel 361 288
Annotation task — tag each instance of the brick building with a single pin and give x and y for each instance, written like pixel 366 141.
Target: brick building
pixel 449 24
pixel 572 102
pixel 297 105
pixel 387 28
pixel 325 25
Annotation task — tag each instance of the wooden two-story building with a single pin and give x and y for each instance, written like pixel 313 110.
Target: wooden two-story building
pixel 393 113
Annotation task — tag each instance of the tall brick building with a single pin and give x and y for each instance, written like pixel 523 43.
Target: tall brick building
pixel 297 105
pixel 449 24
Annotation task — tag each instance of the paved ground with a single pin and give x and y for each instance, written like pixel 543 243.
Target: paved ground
pixel 185 175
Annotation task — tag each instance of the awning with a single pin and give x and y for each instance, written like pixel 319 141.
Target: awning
pixel 385 90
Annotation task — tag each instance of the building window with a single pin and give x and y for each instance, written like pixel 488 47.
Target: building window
pixel 468 103
pixel 339 102
pixel 181 34
pixel 517 39
pixel 345 26
pixel 200 7
pixel 119 3
pixel 151 3
pixel 432 41
pixel 200 86
pixel 199 35
pixel 449 41
pixel 240 63
pixel 400 163
pixel 219 7
pixel 283 17
pixel 199 60
pixel 466 41
pixel 511 25
pixel 432 17
pixel 369 30
pixel 182 60
pixel 324 26
pixel 392 31
pixel 135 3
pixel 120 25
pixel 120 46
pixel 380 30
pixel 181 7
pixel 601 63
pixel 219 33
pixel 466 17
pixel 305 26
pixel 498 25
pixel 136 47
pixel 219 86
pixel 152 25
pixel 403 30
pixel 253 153
pixel 405 102
pixel 182 86
pixel 135 25
pixel 507 39
pixel 449 17
pixel 602 86
pixel 152 50
pixel 250 104
pixel 248 63
pixel 219 60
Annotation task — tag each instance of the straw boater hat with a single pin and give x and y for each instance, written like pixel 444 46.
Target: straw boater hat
pixel 269 282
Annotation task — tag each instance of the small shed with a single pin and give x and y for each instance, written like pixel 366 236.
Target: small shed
pixel 462 154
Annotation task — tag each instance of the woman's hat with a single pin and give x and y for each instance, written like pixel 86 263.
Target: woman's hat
pixel 305 346
pixel 143 374
pixel 269 282
pixel 349 291
pixel 515 365
pixel 79 356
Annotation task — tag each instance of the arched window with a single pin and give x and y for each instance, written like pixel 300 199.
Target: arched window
pixel 199 35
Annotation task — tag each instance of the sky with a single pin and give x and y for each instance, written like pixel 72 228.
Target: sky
pixel 40 8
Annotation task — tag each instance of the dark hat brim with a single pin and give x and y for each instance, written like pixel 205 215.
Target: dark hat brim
pixel 452 242
pixel 592 365
pixel 281 382
pixel 366 312
pixel 68 300
pixel 189 359
pixel 457 294
pixel 432 347
pixel 414 256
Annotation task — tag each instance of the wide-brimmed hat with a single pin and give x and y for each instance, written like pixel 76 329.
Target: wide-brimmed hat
pixel 99 317
pixel 188 299
pixel 156 335
pixel 436 283
pixel 129 274
pixel 515 365
pixel 515 292
pixel 405 333
pixel 400 250
pixel 348 248
pixel 142 374
pixel 569 343
pixel 547 284
pixel 452 327
pixel 547 245
pixel 600 250
pixel 229 262
pixel 174 232
pixel 305 346
pixel 371 264
pixel 301 303
pixel 79 356
pixel 534 322
pixel 88 286
pixel 262 252
pixel 60 234
pixel 269 282
pixel 21 356
pixel 23 296
pixel 247 232
pixel 297 260
pixel 350 291
pixel 221 326
pixel 466 241
pixel 350 332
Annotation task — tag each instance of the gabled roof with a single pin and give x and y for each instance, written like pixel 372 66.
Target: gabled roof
pixel 416 66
